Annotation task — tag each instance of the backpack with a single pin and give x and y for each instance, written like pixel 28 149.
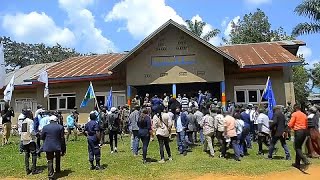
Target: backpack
pixel 114 122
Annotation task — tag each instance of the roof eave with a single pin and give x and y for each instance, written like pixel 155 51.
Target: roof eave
pixel 273 65
pixel 72 78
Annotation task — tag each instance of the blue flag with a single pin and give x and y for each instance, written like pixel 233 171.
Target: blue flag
pixel 269 96
pixel 89 95
pixel 109 100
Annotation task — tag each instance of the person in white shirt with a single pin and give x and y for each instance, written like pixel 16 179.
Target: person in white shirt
pixel 239 129
pixel 209 126
pixel 199 116
pixel 263 130
pixel 21 118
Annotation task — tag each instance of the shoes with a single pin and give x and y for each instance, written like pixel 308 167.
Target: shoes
pixel 36 172
pixel 92 168
pixel 115 150
pixel 260 153
pixel 295 165
pixel 288 158
pixel 170 159
pixel 99 168
pixel 144 161
pixel 211 156
pixel 161 161
pixel 111 152
pixel 28 171
pixel 237 159
pixel 305 167
pixel 184 153
pixel 221 156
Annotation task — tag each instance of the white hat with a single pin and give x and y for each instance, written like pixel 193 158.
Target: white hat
pixel 53 118
pixel 113 109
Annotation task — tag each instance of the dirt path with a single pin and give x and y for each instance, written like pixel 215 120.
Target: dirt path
pixel 294 174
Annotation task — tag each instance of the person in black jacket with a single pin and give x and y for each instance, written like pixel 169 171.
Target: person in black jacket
pixel 278 132
pixel 54 144
pixel 6 115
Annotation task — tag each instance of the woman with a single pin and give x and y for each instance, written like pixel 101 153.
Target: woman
pixel 313 140
pixel 162 125
pixel 145 130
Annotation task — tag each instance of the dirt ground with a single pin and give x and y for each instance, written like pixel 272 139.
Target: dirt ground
pixel 312 173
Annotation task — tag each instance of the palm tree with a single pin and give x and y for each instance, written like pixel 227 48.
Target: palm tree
pixel 310 9
pixel 197 28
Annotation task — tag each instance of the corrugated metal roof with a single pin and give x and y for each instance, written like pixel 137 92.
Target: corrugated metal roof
pixel 27 73
pixel 84 66
pixel 260 54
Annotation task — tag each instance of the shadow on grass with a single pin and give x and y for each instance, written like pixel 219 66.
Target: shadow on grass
pixel 278 157
pixel 105 166
pixel 151 160
pixel 64 173
pixel 42 168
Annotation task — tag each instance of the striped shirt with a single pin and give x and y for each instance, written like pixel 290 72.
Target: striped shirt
pixel 185 103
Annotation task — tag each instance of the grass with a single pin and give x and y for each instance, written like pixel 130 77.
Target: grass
pixel 123 165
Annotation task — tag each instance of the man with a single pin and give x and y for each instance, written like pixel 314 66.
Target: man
pixel 103 125
pixel 21 118
pixel 298 123
pixel 199 115
pixel 54 145
pixel 278 129
pixel 155 104
pixel 28 137
pixel 6 115
pixel 133 121
pixel 263 130
pixel 72 125
pixel 184 102
pixel 209 126
pixel 193 104
pixel 92 132
pixel 219 118
pixel 179 99
pixel 136 101
pixel 230 135
pixel 246 139
pixel 114 127
pixel 239 130
pixel 181 123
pixel 173 104
pixel 192 126
pixel 166 101
pixel 253 117
pixel 124 118
pixel 231 108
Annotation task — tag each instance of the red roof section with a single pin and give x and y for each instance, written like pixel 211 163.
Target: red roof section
pixel 84 66
pixel 260 54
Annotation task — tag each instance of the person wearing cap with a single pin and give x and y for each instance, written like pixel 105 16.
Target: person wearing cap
pixel 28 137
pixel 299 123
pixel 72 125
pixel 114 128
pixel 54 145
pixel 92 131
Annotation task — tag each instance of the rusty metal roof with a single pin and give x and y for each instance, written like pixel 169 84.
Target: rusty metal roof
pixel 260 54
pixel 84 66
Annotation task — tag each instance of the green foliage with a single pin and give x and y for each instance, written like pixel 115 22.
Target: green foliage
pixel 300 79
pixel 315 75
pixel 197 28
pixel 254 28
pixel 123 165
pixel 22 54
pixel 311 10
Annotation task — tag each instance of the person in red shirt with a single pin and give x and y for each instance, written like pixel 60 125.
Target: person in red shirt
pixel 298 123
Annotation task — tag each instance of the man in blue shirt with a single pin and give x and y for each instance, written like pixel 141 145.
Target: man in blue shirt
pixel 245 137
pixel 181 122
pixel 72 125
pixel 92 132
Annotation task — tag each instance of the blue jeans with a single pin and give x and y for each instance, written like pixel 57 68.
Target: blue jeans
pixel 239 143
pixel 201 136
pixel 145 143
pixel 181 141
pixel 274 141
pixel 135 144
pixel 93 149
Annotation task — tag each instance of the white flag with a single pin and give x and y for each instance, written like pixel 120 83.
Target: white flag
pixel 2 67
pixel 43 77
pixel 8 91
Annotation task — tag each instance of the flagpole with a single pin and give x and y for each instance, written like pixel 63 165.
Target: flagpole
pixel 48 104
pixel 261 96
pixel 95 97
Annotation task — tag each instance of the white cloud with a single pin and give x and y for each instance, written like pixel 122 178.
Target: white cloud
pixel 208 27
pixel 305 51
pixel 224 22
pixel 227 31
pixel 36 28
pixel 258 2
pixel 82 21
pixel 142 17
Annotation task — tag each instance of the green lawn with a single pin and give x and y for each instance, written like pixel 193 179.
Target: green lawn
pixel 123 165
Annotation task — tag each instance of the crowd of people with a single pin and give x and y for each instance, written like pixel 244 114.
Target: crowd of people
pixel 197 121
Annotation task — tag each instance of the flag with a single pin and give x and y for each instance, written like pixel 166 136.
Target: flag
pixel 109 100
pixel 89 95
pixel 8 91
pixel 43 77
pixel 2 67
pixel 269 96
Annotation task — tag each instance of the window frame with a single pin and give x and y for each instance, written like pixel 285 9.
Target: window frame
pixel 59 97
pixel 246 89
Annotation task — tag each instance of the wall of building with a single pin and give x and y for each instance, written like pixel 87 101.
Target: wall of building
pixel 257 78
pixel 175 57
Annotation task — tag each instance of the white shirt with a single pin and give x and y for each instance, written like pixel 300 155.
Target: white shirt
pixel 263 120
pixel 179 124
pixel 239 126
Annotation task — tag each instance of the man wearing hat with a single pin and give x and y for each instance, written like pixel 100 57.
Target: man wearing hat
pixel 114 127
pixel 92 132
pixel 54 144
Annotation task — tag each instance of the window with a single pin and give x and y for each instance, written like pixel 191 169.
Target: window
pixel 118 98
pixel 25 103
pixel 64 101
pixel 240 97
pixel 249 94
pixel 253 96
pixel 261 93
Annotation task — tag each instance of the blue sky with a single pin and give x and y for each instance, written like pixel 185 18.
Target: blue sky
pixel 103 26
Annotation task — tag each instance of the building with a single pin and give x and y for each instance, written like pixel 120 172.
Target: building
pixel 173 60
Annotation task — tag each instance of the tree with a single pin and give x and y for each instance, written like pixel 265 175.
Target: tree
pixel 315 75
pixel 300 79
pixel 311 10
pixel 197 28
pixel 18 55
pixel 254 28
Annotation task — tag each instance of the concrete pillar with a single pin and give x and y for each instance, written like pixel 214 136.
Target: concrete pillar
pixel 174 91
pixel 129 95
pixel 223 95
